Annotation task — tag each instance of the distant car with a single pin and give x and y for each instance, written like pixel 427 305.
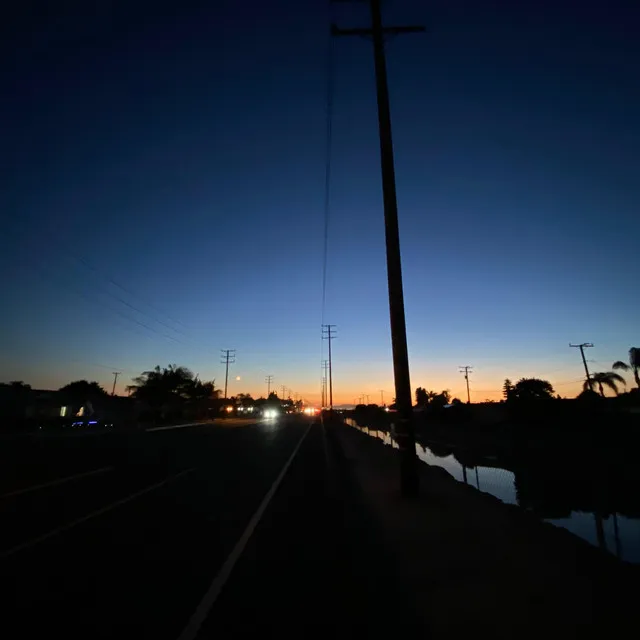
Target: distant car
pixel 270 412
pixel 89 423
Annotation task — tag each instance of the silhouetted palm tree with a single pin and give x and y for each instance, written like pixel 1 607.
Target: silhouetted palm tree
pixel 605 379
pixel 634 364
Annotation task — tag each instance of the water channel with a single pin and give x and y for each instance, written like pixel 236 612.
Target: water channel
pixel 564 494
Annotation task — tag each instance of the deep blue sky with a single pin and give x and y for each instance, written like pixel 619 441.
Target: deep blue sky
pixel 179 153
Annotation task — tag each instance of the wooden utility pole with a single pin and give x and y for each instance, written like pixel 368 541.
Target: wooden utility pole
pixel 466 369
pixel 228 357
pixel 404 427
pixel 328 333
pixel 582 347
pixel 115 379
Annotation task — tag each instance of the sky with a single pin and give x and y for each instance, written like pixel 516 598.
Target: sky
pixel 164 194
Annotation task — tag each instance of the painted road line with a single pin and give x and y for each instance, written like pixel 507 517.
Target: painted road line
pixel 210 597
pixel 227 422
pixel 93 514
pixel 54 483
pixel 179 426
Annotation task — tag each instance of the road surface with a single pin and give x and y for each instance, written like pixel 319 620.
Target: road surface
pixel 194 532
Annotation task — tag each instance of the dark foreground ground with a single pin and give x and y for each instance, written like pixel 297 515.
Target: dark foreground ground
pixel 126 535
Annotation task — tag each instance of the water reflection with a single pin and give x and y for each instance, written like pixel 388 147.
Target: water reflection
pixel 588 491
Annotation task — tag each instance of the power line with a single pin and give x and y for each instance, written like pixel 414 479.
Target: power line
pixel 128 304
pixel 118 312
pixel 330 90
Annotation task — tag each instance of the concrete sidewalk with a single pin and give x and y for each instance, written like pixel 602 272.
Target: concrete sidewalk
pixel 477 566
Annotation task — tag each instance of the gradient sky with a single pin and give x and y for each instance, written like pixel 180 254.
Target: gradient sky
pixel 166 182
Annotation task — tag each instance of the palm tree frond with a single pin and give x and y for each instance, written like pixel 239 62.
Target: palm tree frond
pixel 608 379
pixel 619 364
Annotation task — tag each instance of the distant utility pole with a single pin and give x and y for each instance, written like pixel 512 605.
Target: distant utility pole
pixel 382 397
pixel 405 435
pixel 228 357
pixel 115 379
pixel 466 369
pixel 366 395
pixel 329 333
pixel 325 367
pixel 268 380
pixel 582 347
pixel 283 388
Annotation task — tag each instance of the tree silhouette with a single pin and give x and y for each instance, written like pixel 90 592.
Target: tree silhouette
pixel 605 379
pixel 168 385
pixel 81 391
pixel 422 398
pixel 507 388
pixel 532 389
pixel 634 364
pixel 441 399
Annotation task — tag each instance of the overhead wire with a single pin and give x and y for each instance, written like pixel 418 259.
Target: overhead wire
pixel 93 268
pixel 179 337
pixel 329 88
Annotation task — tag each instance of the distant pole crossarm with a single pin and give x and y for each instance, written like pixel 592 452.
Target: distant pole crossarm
pixel 582 347
pixel 337 31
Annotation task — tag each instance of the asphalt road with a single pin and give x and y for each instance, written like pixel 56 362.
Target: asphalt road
pixel 146 535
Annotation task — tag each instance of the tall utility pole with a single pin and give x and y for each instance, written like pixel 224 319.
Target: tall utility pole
pixel 466 369
pixel 325 367
pixel 283 388
pixel 228 357
pixel 329 333
pixel 582 347
pixel 268 380
pixel 404 429
pixel 382 397
pixel 115 379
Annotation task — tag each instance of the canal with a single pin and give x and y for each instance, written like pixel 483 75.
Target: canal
pixel 592 496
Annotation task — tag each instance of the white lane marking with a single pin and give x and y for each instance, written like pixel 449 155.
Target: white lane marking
pixel 93 514
pixel 210 597
pixel 222 423
pixel 179 426
pixel 53 483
